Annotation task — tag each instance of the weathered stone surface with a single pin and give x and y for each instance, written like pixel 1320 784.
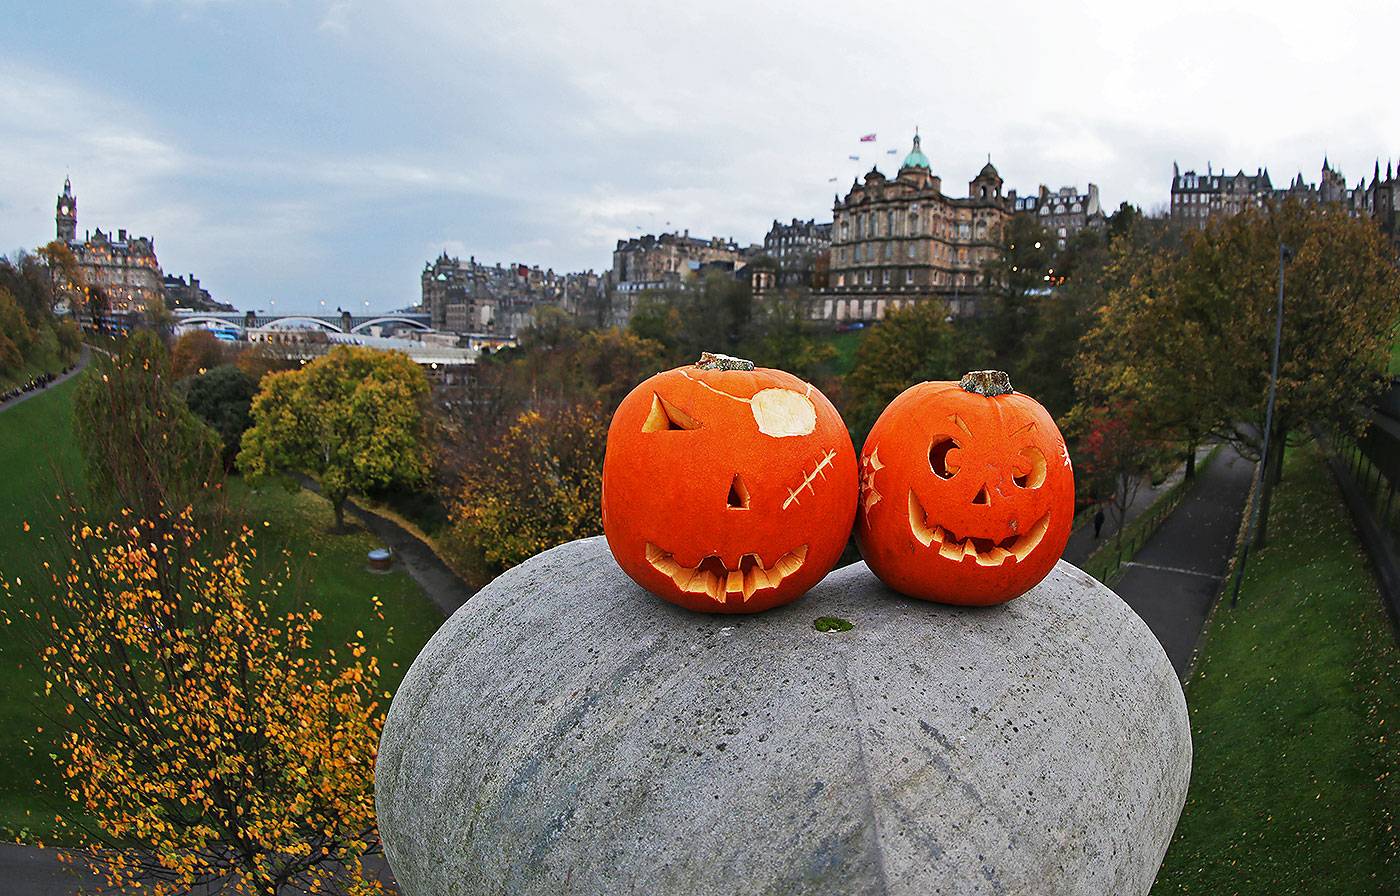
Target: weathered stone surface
pixel 566 732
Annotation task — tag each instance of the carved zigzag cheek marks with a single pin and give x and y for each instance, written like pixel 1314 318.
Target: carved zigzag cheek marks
pixel 809 478
pixel 869 467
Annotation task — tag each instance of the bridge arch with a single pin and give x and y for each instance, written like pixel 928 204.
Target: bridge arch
pixel 208 319
pixel 315 322
pixel 364 325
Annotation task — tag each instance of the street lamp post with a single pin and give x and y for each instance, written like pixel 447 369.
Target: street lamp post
pixel 1285 255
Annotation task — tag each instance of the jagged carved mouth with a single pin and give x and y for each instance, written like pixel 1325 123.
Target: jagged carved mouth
pixel 987 551
pixel 720 582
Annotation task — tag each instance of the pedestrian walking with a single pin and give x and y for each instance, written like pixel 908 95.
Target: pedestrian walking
pixel 1098 521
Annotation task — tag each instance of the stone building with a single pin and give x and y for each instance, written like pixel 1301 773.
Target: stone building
pixel 1064 213
pixel 798 249
pixel 1196 199
pixel 650 261
pixel 179 294
pixel 123 267
pixel 470 297
pixel 901 240
pixel 667 261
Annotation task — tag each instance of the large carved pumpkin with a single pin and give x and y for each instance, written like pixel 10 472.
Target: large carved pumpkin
pixel 967 494
pixel 727 488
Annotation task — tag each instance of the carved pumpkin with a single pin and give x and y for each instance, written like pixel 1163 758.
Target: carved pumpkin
pixel 967 494
pixel 727 488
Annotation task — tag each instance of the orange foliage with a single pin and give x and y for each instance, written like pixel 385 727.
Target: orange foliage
pixel 204 736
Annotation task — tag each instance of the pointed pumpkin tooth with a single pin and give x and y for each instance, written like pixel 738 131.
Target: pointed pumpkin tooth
pixel 969 549
pixel 940 535
pixel 750 582
pixel 761 578
pixel 789 563
pixel 951 549
pixel 735 582
pixel 998 556
pixel 682 577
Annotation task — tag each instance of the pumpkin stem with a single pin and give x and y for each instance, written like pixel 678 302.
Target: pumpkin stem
pixel 716 361
pixel 987 382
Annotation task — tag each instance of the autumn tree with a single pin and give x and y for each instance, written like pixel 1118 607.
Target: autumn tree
pixel 354 419
pixel 143 451
pixel 29 330
pixel 915 343
pixel 539 486
pixel 222 397
pixel 204 741
pixel 195 351
pixel 1116 454
pixel 1020 270
pixel 711 313
pixel 781 334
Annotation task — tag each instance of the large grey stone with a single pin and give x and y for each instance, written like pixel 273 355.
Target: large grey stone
pixel 566 732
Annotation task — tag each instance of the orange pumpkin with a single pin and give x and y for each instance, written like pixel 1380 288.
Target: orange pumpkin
pixel 727 488
pixel 967 493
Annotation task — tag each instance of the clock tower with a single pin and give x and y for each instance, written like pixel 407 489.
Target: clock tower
pixel 67 214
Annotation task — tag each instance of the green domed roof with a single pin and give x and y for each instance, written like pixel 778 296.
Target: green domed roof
pixel 916 158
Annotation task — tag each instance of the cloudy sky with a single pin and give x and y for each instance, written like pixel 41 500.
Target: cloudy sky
pixel 300 151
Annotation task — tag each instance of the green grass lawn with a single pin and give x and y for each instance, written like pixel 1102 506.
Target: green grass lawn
pixel 33 461
pixel 846 343
pixel 1295 715
pixel 328 572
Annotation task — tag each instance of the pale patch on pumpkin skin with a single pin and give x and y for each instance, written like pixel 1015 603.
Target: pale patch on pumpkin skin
pixel 710 576
pixel 778 412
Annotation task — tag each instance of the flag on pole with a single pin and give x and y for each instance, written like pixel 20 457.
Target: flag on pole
pixel 868 138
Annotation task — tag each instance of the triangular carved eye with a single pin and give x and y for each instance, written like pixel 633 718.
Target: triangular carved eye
pixel 738 494
pixel 983 497
pixel 665 415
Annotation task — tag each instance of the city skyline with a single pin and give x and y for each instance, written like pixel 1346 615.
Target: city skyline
pixel 325 151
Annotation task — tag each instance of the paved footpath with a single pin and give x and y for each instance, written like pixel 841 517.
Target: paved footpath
pixel 83 359
pixel 1082 542
pixel 1172 581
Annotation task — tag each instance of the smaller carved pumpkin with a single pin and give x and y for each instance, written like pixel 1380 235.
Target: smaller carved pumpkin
pixel 727 488
pixel 967 493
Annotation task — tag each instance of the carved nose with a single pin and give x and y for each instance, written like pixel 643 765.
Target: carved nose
pixel 738 494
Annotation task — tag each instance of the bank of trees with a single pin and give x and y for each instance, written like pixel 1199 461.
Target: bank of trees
pixel 31 335
pixel 1187 334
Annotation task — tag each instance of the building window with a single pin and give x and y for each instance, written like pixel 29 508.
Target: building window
pixel 911 250
pixel 867 278
pixel 891 224
pixel 909 276
pixel 885 277
pixel 889 251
